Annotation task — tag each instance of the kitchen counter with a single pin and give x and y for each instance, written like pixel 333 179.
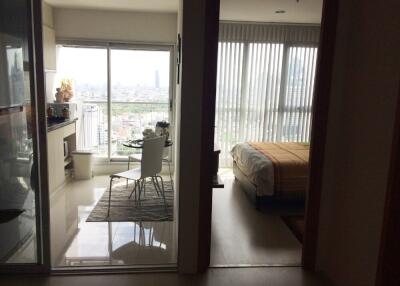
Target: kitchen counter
pixel 51 126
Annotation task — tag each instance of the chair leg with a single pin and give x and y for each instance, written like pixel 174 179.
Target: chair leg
pixel 139 190
pixel 134 190
pixel 137 186
pixel 170 174
pixel 141 187
pixel 109 197
pixel 144 187
pixel 129 160
pixel 158 188
pixel 163 190
pixel 155 186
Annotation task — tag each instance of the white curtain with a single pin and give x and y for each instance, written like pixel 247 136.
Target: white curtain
pixel 265 84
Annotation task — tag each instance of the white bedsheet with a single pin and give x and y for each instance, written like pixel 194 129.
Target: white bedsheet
pixel 256 166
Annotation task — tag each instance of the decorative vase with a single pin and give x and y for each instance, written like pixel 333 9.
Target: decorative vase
pixel 59 96
pixel 162 129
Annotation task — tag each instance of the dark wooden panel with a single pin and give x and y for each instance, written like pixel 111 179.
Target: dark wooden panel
pixel 319 126
pixel 388 273
pixel 210 80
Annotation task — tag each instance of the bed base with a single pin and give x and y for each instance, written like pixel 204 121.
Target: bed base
pixel 251 191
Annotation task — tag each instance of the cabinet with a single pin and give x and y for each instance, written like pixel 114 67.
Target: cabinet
pixel 49 48
pixel 55 154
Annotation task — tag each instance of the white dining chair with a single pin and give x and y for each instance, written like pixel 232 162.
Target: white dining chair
pixel 150 167
pixel 137 158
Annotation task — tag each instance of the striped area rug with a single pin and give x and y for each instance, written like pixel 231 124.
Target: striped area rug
pixel 151 207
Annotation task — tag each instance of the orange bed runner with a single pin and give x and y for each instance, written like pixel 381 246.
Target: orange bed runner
pixel 290 161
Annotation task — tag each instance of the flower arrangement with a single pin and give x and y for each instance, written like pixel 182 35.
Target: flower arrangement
pixel 162 129
pixel 67 89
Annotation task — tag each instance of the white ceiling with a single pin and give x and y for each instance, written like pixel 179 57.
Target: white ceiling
pixel 126 5
pixel 304 11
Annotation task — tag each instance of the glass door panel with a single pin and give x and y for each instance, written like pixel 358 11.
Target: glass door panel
pixel 140 86
pixel 19 191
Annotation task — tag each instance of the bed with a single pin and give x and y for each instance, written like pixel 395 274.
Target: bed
pixel 272 171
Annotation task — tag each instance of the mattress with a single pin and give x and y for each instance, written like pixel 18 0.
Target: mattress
pixel 258 169
pixel 275 169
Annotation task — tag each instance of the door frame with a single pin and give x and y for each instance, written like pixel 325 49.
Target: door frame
pixel 200 28
pixel 39 126
pixel 319 125
pixel 388 273
pixel 318 135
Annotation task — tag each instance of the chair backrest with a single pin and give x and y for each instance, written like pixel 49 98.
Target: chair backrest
pixel 152 156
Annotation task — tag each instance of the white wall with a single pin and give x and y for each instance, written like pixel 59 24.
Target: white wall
pixel 47 17
pixel 115 25
pixel 364 92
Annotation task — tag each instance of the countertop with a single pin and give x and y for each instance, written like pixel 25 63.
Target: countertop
pixel 56 125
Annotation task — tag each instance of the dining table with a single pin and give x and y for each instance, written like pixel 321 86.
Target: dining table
pixel 138 143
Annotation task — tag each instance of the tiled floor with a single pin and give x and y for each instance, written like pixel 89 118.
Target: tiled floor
pixel 242 235
pixel 76 242
pixel 271 276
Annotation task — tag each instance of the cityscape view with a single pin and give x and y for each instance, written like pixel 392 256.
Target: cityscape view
pixel 139 94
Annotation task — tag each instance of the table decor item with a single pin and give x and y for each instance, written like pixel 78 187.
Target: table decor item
pixel 67 89
pixel 162 129
pixel 50 112
pixel 65 112
pixel 59 96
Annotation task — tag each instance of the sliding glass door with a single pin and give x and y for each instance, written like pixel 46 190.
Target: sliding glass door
pixel 120 90
pixel 139 94
pixel 20 191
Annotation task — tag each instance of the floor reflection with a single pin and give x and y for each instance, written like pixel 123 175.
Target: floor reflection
pixel 76 242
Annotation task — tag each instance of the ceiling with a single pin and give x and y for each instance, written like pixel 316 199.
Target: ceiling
pixel 304 11
pixel 126 5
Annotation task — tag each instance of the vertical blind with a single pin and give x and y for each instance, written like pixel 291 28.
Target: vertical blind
pixel 265 84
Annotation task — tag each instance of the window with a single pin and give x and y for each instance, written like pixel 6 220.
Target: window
pixel 265 84
pixel 299 85
pixel 87 67
pixel 139 94
pixel 127 89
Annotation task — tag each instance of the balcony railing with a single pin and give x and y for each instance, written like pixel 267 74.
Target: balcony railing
pixel 127 121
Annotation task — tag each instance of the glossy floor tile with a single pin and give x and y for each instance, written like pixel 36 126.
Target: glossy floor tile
pixel 241 235
pixel 75 242
pixel 244 236
pixel 266 276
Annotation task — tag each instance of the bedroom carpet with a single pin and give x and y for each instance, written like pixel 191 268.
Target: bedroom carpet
pixel 243 236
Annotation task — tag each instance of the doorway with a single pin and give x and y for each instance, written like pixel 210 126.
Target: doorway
pixel 119 92
pixel 264 101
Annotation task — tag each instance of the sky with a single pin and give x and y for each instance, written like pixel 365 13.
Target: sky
pixel 128 67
